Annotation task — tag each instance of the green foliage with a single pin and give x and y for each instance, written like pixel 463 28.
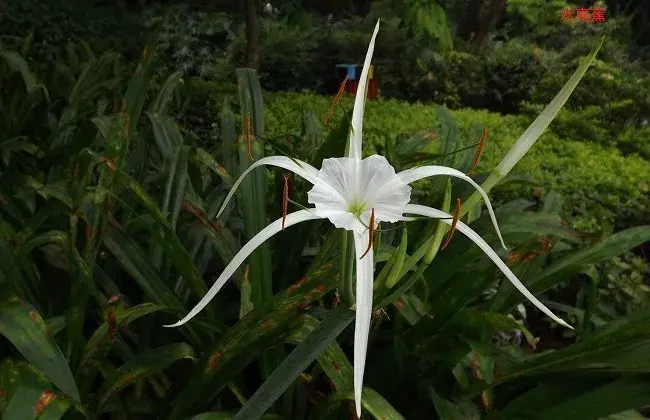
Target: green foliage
pixel 498 78
pixel 621 91
pixel 191 40
pixel 533 18
pixel 623 287
pixel 427 18
pixel 51 26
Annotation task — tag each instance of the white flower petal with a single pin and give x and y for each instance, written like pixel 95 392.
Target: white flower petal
pixel 359 101
pixel 296 166
pixel 476 238
pixel 365 268
pixel 348 189
pixel 336 183
pixel 380 186
pixel 342 219
pixel 416 174
pixel 240 257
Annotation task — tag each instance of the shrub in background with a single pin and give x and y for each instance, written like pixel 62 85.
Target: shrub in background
pixel 191 39
pixel 53 24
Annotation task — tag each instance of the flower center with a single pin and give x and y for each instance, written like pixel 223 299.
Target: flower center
pixel 357 206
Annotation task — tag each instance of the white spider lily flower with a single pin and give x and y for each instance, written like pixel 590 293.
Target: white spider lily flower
pixel 347 191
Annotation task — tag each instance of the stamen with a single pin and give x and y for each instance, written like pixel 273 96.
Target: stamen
pixel 371 232
pixel 479 151
pixel 247 135
pixel 285 199
pixel 336 100
pixel 453 224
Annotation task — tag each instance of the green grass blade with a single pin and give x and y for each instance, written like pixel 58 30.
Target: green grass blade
pixel 297 361
pixel 165 134
pixel 18 64
pixel 253 198
pixel 372 401
pixel 562 269
pixel 580 398
pixel 253 189
pixel 202 157
pixel 446 409
pixel 176 172
pixel 144 365
pixel 137 263
pixel 160 105
pixel 228 137
pixel 26 330
pixel 136 91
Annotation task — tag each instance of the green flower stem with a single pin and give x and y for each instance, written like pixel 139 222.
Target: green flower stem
pixel 347 260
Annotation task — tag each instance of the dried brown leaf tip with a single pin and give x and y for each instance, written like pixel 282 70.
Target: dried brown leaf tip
pixel 371 232
pixel 479 151
pixel 453 224
pixel 285 199
pixel 336 100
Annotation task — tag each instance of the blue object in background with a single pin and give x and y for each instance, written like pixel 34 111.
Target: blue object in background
pixel 351 68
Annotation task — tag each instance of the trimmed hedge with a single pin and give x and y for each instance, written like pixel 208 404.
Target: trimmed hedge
pixel 602 186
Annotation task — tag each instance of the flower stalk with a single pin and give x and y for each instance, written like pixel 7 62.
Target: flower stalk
pixel 346 262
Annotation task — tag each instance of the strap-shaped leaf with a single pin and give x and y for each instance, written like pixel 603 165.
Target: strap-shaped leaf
pixel 299 359
pixel 26 330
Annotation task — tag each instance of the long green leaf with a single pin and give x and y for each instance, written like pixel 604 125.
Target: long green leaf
pixel 299 359
pixel 446 409
pixel 253 198
pixel 18 64
pixel 144 365
pixel 609 248
pixel 137 263
pixel 26 330
pixel 580 398
pixel 166 93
